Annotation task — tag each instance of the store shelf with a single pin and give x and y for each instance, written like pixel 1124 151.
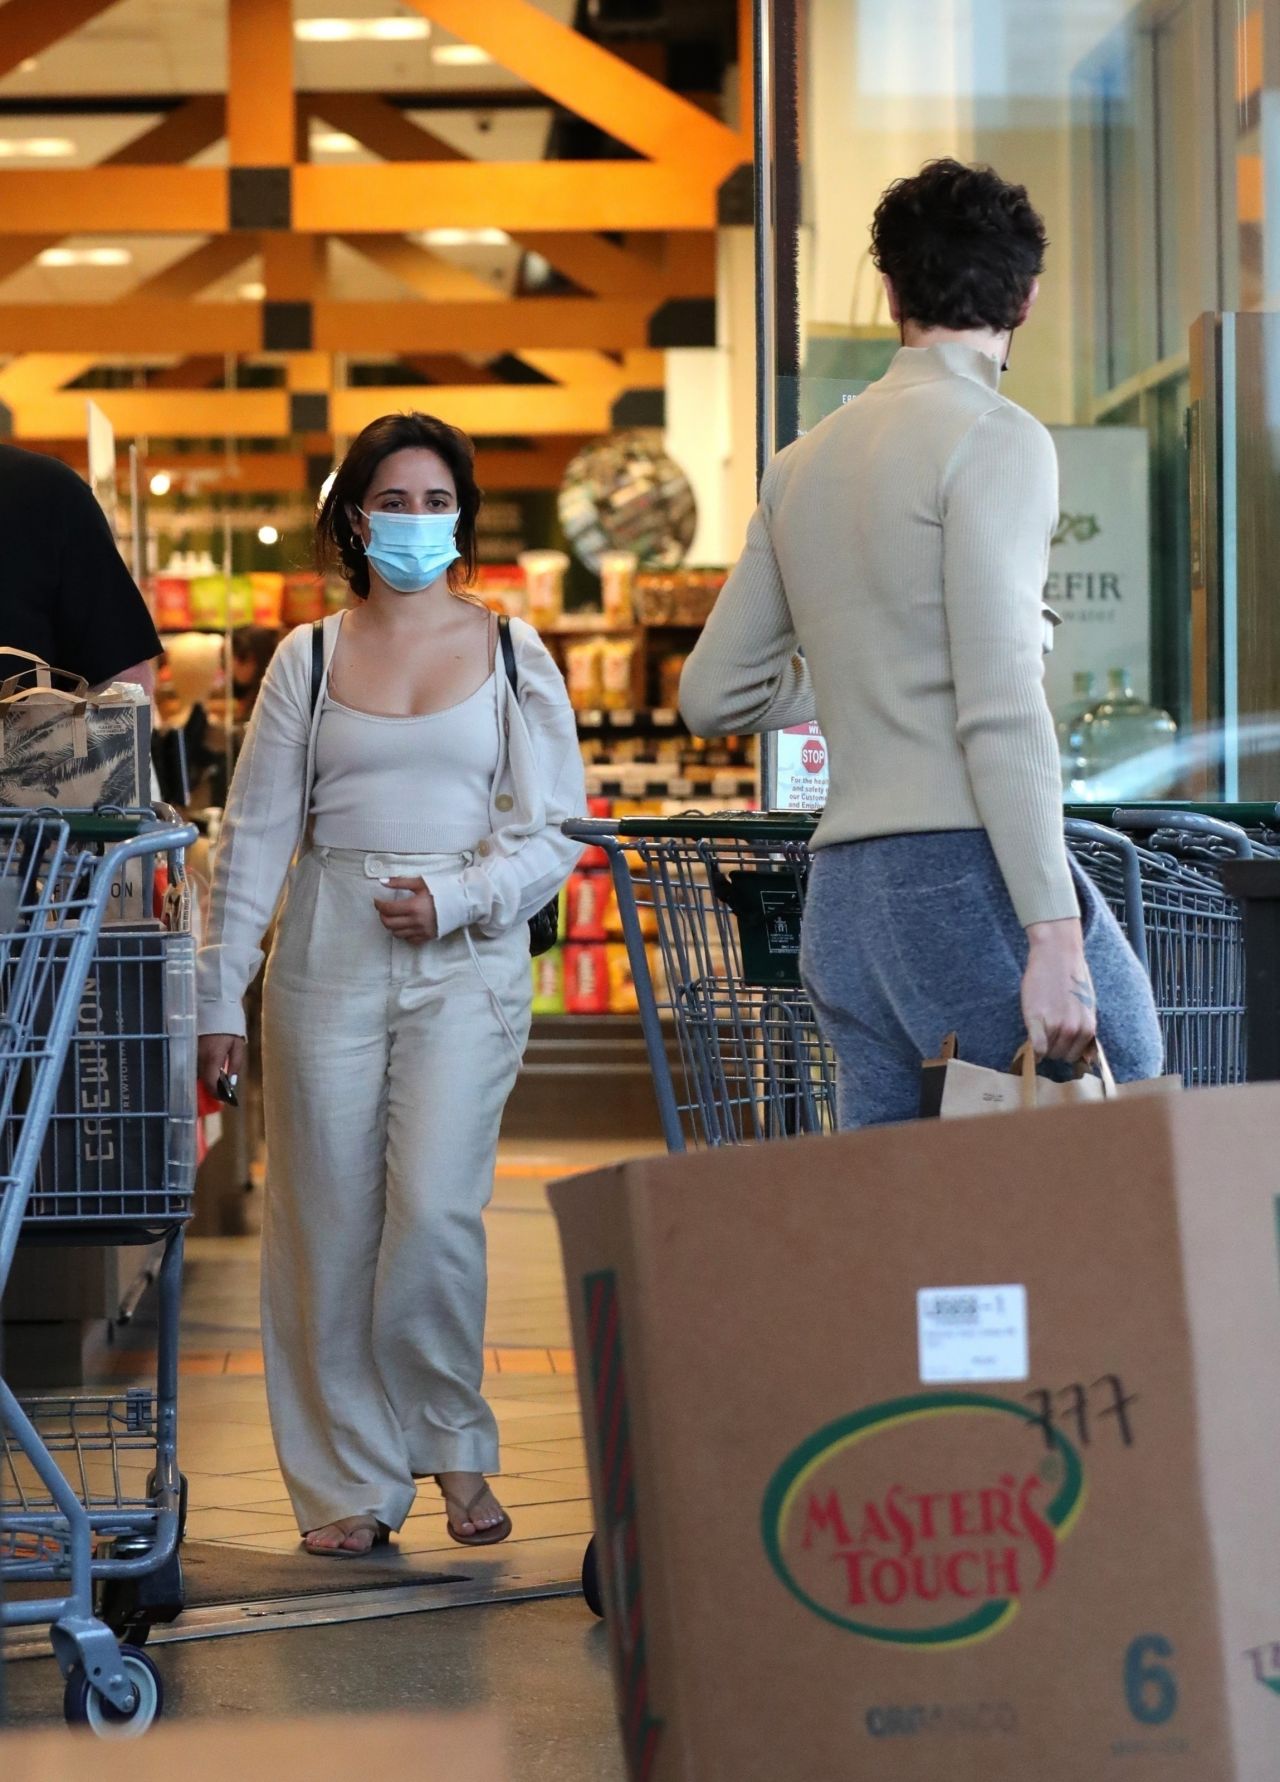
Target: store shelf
pixel 660 720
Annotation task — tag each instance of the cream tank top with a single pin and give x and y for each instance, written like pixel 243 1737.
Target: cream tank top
pixel 406 785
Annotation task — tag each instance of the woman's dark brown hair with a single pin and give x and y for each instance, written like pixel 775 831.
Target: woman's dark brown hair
pixel 337 543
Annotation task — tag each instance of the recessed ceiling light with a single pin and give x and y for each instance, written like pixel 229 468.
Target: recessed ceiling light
pixel 460 55
pixel 268 535
pixel 161 483
pixel 103 256
pixel 440 238
pixel 334 142
pixel 28 66
pixel 392 30
pixel 254 291
pixel 36 148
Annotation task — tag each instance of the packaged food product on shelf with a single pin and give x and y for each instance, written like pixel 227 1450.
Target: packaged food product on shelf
pixel 617 586
pixel 622 989
pixel 584 673
pixel 618 657
pixel 548 983
pixel 587 899
pixel 586 979
pixel 677 597
pixel 502 588
pixel 669 671
pixel 303 598
pixel 217 601
pixel 544 573
pixel 595 859
pixel 268 597
pixel 171 602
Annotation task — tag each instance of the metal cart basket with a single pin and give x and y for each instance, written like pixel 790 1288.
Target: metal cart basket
pixel 710 910
pixel 97 1146
pixel 1160 870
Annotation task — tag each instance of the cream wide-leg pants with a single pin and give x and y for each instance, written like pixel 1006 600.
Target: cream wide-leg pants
pixel 386 1070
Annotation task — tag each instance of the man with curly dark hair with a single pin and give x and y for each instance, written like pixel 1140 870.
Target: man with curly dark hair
pixel 903 547
pixel 959 249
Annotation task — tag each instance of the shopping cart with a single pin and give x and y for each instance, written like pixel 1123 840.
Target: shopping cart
pixel 710 910
pixel 1160 870
pixel 97 1117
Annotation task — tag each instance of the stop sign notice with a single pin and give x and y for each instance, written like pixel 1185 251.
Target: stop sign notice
pixel 813 755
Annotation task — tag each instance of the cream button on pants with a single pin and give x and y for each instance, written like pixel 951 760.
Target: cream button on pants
pixel 386 1070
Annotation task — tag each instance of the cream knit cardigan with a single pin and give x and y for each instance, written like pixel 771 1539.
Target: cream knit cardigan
pixel 517 868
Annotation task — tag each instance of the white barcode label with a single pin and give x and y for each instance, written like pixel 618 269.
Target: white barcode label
pixel 972 1333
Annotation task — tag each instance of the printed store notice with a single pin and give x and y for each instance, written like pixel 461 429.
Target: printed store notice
pixel 801 770
pixel 972 1334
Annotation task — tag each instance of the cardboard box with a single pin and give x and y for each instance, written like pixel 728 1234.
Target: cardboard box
pixel 465 1747
pixel 947 1450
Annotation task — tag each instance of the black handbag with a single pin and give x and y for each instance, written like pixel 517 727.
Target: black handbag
pixel 544 925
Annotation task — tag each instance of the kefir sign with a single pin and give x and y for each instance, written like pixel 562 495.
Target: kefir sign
pixel 1100 562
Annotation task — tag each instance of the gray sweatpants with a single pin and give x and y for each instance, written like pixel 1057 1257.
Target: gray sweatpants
pixel 912 937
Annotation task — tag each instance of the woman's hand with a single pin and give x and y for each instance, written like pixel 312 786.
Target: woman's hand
pixel 216 1052
pixel 409 918
pixel 1058 1002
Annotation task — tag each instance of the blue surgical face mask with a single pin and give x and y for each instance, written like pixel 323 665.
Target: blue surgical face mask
pixel 411 551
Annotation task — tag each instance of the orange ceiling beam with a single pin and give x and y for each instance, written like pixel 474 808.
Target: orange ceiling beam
pixel 186 131
pixel 511 195
pixel 483 328
pixel 195 272
pixel 426 274
pixel 29 26
pixel 504 409
pixel 168 414
pixel 293 266
pixel 390 199
pixel 481 409
pixel 260 101
pixel 131 326
pixel 115 200
pixel 1251 194
pixel 588 80
pixel 163 323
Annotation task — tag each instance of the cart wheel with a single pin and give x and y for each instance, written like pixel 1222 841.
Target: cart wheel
pixel 591 1580
pixel 83 1706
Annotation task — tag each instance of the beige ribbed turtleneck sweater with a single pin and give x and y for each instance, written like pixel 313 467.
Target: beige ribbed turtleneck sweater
pixel 903 546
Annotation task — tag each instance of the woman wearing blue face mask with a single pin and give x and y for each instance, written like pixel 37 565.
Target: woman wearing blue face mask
pixel 406 791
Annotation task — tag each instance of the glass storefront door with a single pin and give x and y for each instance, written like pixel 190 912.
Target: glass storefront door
pixel 1148 136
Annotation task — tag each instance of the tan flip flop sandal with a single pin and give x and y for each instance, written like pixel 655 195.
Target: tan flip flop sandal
pixel 381 1538
pixel 483 1537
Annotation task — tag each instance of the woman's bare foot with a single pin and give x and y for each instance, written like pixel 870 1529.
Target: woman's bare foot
pixel 350 1538
pixel 476 1518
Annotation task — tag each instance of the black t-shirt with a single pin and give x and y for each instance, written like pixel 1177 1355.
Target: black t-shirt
pixel 65 593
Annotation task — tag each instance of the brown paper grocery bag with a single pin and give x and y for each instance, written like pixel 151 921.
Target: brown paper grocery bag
pixel 953 1089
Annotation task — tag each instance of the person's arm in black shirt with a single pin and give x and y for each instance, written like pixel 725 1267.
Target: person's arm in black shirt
pixel 105 631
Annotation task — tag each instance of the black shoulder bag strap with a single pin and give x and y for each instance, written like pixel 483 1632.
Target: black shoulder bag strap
pixel 317 662
pixel 508 653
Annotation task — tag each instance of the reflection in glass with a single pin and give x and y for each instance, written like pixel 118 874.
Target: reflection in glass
pixel 1149 137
